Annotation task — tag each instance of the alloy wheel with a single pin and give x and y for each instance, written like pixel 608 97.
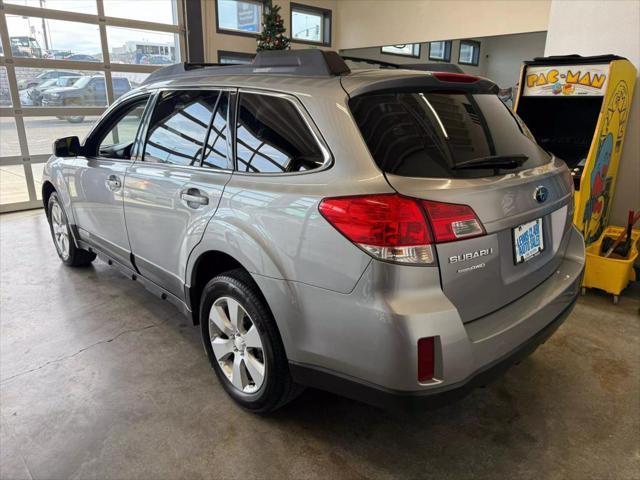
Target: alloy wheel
pixel 60 230
pixel 237 345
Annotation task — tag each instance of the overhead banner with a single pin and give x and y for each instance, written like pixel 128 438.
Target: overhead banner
pixel 568 80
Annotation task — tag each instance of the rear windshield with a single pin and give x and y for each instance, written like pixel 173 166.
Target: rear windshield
pixel 426 134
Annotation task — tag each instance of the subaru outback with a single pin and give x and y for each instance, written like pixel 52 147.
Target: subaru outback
pixel 394 236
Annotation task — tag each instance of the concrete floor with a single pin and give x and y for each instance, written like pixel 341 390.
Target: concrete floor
pixel 99 379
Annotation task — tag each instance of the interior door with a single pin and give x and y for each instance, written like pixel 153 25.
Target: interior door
pixel 97 185
pixel 174 190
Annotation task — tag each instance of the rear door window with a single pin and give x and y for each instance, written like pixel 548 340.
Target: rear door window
pixel 427 134
pixel 272 136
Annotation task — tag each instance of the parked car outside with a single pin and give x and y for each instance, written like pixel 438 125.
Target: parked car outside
pixel 156 60
pixel 81 57
pixel 33 96
pixel 29 82
pixel 394 236
pixel 23 46
pixel 88 91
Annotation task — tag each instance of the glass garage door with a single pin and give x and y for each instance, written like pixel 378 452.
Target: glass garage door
pixel 62 62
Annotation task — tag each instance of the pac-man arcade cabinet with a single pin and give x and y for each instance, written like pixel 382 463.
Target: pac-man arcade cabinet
pixel 577 108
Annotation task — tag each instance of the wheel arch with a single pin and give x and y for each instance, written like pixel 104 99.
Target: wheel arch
pixel 47 190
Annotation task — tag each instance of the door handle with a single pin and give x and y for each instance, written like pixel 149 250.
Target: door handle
pixel 193 197
pixel 113 183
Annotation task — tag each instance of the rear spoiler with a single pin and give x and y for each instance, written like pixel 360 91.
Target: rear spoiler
pixel 437 81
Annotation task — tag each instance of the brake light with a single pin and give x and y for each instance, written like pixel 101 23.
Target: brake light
pixel 455 77
pixel 426 359
pixel 388 226
pixel 395 228
pixel 451 221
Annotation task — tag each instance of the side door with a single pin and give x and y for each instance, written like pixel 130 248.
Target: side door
pixel 172 192
pixel 97 184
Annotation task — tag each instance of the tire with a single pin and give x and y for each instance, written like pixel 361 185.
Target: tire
pixel 257 395
pixel 70 255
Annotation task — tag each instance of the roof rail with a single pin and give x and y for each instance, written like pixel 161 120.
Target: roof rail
pixel 308 62
pixel 425 67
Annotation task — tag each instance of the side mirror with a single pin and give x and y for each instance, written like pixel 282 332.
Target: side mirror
pixel 67 147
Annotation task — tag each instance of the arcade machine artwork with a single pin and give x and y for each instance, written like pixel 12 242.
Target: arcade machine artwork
pixel 577 108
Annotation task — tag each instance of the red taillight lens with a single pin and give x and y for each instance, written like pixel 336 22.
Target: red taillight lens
pixel 451 221
pixel 388 226
pixel 392 227
pixel 380 220
pixel 426 359
pixel 455 77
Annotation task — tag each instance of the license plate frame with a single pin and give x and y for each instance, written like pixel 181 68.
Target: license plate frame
pixel 528 230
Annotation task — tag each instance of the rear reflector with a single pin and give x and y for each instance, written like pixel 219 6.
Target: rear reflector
pixel 455 77
pixel 394 228
pixel 426 359
pixel 451 221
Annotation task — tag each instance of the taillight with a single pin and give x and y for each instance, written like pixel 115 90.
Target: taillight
pixel 451 221
pixel 394 228
pixel 426 359
pixel 388 226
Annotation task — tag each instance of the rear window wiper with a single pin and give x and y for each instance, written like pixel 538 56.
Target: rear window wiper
pixel 496 162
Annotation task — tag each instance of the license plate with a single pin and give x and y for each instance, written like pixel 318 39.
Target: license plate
pixel 528 240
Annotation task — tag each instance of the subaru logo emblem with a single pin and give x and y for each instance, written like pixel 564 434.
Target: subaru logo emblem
pixel 541 193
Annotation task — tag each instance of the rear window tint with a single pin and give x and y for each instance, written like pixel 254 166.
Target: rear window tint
pixel 426 134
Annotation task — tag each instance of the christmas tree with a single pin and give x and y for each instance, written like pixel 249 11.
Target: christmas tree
pixel 272 36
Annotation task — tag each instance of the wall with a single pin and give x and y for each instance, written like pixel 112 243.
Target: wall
pixel 593 28
pixel 374 53
pixel 215 41
pixel 500 57
pixel 363 23
pixel 506 54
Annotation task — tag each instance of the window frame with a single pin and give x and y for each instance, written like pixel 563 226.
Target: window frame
pixel 241 33
pixel 327 21
pixel 326 153
pixel 222 53
pixel 404 55
pixel 138 154
pixel 448 44
pixel 476 58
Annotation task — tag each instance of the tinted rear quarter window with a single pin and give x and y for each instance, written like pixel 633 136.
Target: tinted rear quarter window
pixel 426 134
pixel 272 136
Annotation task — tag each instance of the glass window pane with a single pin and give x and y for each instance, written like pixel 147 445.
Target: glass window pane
pixel 80 6
pixel 410 49
pixel 42 131
pixel 33 83
pixel 272 137
pixel 9 145
pixel 215 154
pixel 178 127
pixel 36 171
pixel 306 26
pixel 36 37
pixel 160 11
pixel 123 134
pixel 5 93
pixel 142 47
pixel 13 184
pixel 244 16
pixel 231 58
pixel 134 79
pixel 439 50
pixel 469 53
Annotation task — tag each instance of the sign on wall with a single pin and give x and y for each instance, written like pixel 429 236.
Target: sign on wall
pixel 568 80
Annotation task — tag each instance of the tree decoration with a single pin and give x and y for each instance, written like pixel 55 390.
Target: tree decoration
pixel 272 36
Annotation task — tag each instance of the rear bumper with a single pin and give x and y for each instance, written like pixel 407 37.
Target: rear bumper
pixel 364 344
pixel 432 398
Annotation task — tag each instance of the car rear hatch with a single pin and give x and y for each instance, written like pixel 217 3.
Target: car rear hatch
pixel 451 140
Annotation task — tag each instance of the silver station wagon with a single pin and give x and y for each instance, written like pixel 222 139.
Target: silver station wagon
pixel 394 236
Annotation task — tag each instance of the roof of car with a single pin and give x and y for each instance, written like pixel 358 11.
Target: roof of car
pixel 311 72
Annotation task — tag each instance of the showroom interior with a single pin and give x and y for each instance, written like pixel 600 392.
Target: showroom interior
pixel 102 378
